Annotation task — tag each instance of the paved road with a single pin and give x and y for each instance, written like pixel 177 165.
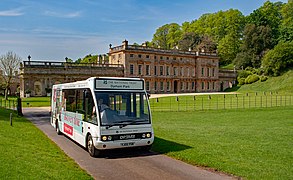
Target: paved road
pixel 121 164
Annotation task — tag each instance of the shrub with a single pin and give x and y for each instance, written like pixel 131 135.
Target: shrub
pixel 241 81
pixel 251 79
pixel 263 78
pixel 243 73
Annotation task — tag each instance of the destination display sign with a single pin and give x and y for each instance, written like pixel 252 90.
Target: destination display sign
pixel 116 84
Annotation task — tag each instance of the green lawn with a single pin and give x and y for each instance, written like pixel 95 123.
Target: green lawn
pixel 250 143
pixel 26 102
pixel 26 153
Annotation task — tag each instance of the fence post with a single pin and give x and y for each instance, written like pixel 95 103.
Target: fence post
pixel 19 108
pixel 194 103
pixel 224 102
pixel 10 119
pixel 255 99
pixel 201 103
pixel 236 101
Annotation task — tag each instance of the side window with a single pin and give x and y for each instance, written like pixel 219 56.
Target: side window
pixel 70 100
pixel 89 107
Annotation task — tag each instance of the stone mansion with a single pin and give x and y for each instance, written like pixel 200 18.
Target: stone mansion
pixel 164 71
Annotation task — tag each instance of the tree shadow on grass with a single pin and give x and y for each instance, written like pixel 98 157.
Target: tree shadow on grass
pixel 164 146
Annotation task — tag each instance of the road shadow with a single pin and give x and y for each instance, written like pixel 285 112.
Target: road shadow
pixel 163 146
pixel 160 146
pixel 126 153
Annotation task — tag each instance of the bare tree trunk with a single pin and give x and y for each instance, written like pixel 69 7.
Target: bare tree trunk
pixel 6 93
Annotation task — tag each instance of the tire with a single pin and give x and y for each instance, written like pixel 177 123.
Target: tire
pixel 57 128
pixel 91 148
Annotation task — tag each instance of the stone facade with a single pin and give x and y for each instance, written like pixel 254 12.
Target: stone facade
pixel 169 71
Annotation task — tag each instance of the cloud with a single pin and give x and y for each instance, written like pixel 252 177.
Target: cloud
pixel 63 15
pixel 13 12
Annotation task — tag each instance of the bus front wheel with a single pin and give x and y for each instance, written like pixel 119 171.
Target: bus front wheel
pixel 91 148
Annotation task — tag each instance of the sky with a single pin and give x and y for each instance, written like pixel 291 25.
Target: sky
pixel 50 30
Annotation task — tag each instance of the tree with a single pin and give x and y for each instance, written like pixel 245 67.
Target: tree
pixel 278 59
pixel 228 48
pixel 189 41
pixel 286 27
pixel 9 63
pixel 207 44
pixel 257 40
pixel 268 15
pixel 167 36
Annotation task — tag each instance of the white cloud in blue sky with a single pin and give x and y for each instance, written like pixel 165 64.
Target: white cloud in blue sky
pixel 54 29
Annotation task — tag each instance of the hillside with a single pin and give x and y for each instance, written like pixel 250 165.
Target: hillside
pixel 281 84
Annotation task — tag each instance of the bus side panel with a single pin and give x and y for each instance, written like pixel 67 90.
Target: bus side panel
pixel 54 107
pixel 73 126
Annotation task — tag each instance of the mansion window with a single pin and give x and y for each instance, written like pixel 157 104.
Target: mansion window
pixel 147 56
pixel 187 87
pixel 167 70
pixel 202 85
pixel 161 70
pixel 161 57
pixel 208 71
pixel 155 70
pixel 131 55
pixel 192 85
pixel 147 69
pixel 168 86
pixel 147 85
pixel 182 86
pixel 175 71
pixel 131 68
pixel 213 72
pixel 156 85
pixel 213 85
pixel 139 69
pixel 139 56
pixel 155 57
pixel 202 71
pixel 162 86
pixel 167 58
pixel 208 86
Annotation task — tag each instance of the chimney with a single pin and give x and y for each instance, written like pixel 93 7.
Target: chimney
pixel 125 43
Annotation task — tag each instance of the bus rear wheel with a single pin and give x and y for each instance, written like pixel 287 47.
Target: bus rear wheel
pixel 91 147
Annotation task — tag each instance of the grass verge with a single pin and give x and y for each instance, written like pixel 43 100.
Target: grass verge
pixel 26 153
pixel 250 143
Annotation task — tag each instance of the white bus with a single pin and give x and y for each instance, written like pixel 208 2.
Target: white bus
pixel 103 113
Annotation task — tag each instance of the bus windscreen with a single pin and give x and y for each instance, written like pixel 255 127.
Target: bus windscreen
pixel 123 108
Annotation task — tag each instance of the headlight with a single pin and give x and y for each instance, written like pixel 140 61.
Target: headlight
pixel 109 138
pixel 148 135
pixel 104 138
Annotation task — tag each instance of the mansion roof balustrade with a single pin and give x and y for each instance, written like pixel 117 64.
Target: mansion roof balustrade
pixel 46 64
pixel 158 50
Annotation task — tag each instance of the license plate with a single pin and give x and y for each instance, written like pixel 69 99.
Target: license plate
pixel 127 144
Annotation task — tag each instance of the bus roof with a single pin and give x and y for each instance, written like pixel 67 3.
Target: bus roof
pixel 105 83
